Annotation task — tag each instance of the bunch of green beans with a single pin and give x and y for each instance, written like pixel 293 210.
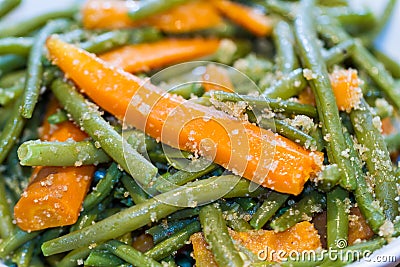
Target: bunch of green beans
pixel 141 209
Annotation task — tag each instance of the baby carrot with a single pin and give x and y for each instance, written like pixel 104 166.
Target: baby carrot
pixel 55 194
pixel 257 154
pixel 247 17
pixel 144 57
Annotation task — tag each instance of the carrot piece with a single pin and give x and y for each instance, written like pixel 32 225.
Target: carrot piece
pixel 144 57
pixel 55 194
pixel 109 14
pixel 300 237
pixel 247 17
pixel 387 126
pixel 257 154
pixel 358 227
pixel 217 78
pixel 203 256
pixel 345 85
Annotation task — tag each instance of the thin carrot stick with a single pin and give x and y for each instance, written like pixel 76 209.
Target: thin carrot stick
pixel 257 154
pixel 55 194
pixel 144 57
pixel 247 17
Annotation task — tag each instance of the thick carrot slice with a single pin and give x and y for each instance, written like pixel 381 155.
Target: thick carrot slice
pixel 247 17
pixel 300 237
pixel 55 194
pixel 203 256
pixel 345 85
pixel 257 154
pixel 144 57
pixel 217 78
pixel 108 14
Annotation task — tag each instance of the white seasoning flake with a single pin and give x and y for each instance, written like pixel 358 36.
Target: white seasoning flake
pixel 376 121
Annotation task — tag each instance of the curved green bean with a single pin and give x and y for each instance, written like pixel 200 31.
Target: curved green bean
pixel 8 5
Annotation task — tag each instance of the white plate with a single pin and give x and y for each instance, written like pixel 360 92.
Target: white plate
pixel 388 42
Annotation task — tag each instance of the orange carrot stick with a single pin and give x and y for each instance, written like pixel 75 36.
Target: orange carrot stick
pixel 345 85
pixel 247 17
pixel 144 57
pixel 55 194
pixel 257 154
pixel 109 14
pixel 217 78
pixel 202 255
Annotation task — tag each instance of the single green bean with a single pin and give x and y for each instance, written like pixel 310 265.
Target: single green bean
pixel 337 222
pixel 105 41
pixel 23 255
pixel 137 194
pixel 58 117
pixel 310 204
pixel 89 118
pixel 26 25
pixel 377 159
pixel 174 242
pixel 268 209
pixel 103 188
pixel 153 209
pixel 390 64
pixel 246 203
pixel 326 104
pixel 152 7
pixel 6 225
pixel 289 85
pixel 183 214
pixel 217 236
pixel 162 231
pixel 355 16
pixel 7 95
pixel 8 5
pixel 33 80
pixel 328 178
pixel 363 194
pixel 54 153
pixel 12 78
pixel 11 62
pixel 392 141
pixel 75 257
pixel 339 52
pixel 286 59
pixel 16 45
pixel 103 258
pixel 15 240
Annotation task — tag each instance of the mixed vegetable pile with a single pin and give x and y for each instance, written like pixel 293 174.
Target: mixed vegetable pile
pixel 301 158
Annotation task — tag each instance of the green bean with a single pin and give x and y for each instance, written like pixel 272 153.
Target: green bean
pixel 174 242
pixel 7 95
pixel 11 62
pixel 289 85
pixel 391 65
pixel 15 240
pixel 377 159
pixel 89 118
pixel 246 203
pixel 103 258
pixel 151 7
pixel 12 130
pixel 288 131
pixel 8 5
pixel 392 141
pixel 363 193
pixel 23 255
pixel 188 90
pixel 217 236
pixel 162 231
pixel 105 41
pixel 354 16
pixel 135 191
pixel 153 209
pixel 6 225
pixel 74 258
pixel 328 178
pixel 33 80
pixel 253 66
pixel 337 221
pixel 285 58
pixel 310 204
pixel 268 209
pixel 26 25
pixel 280 8
pixel 103 188
pixel 84 219
pixel 54 153
pixel 183 214
pixel 333 2
pixel 339 52
pixel 234 217
pixel 16 45
pixel 58 117
pixel 12 78
pixel 324 97
pixel 181 178
pixel 36 262
pixel 276 105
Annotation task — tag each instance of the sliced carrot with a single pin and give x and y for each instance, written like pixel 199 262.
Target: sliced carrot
pixel 358 227
pixel 144 57
pixel 109 14
pixel 55 194
pixel 217 78
pixel 257 154
pixel 203 256
pixel 345 85
pixel 249 18
pixel 300 237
